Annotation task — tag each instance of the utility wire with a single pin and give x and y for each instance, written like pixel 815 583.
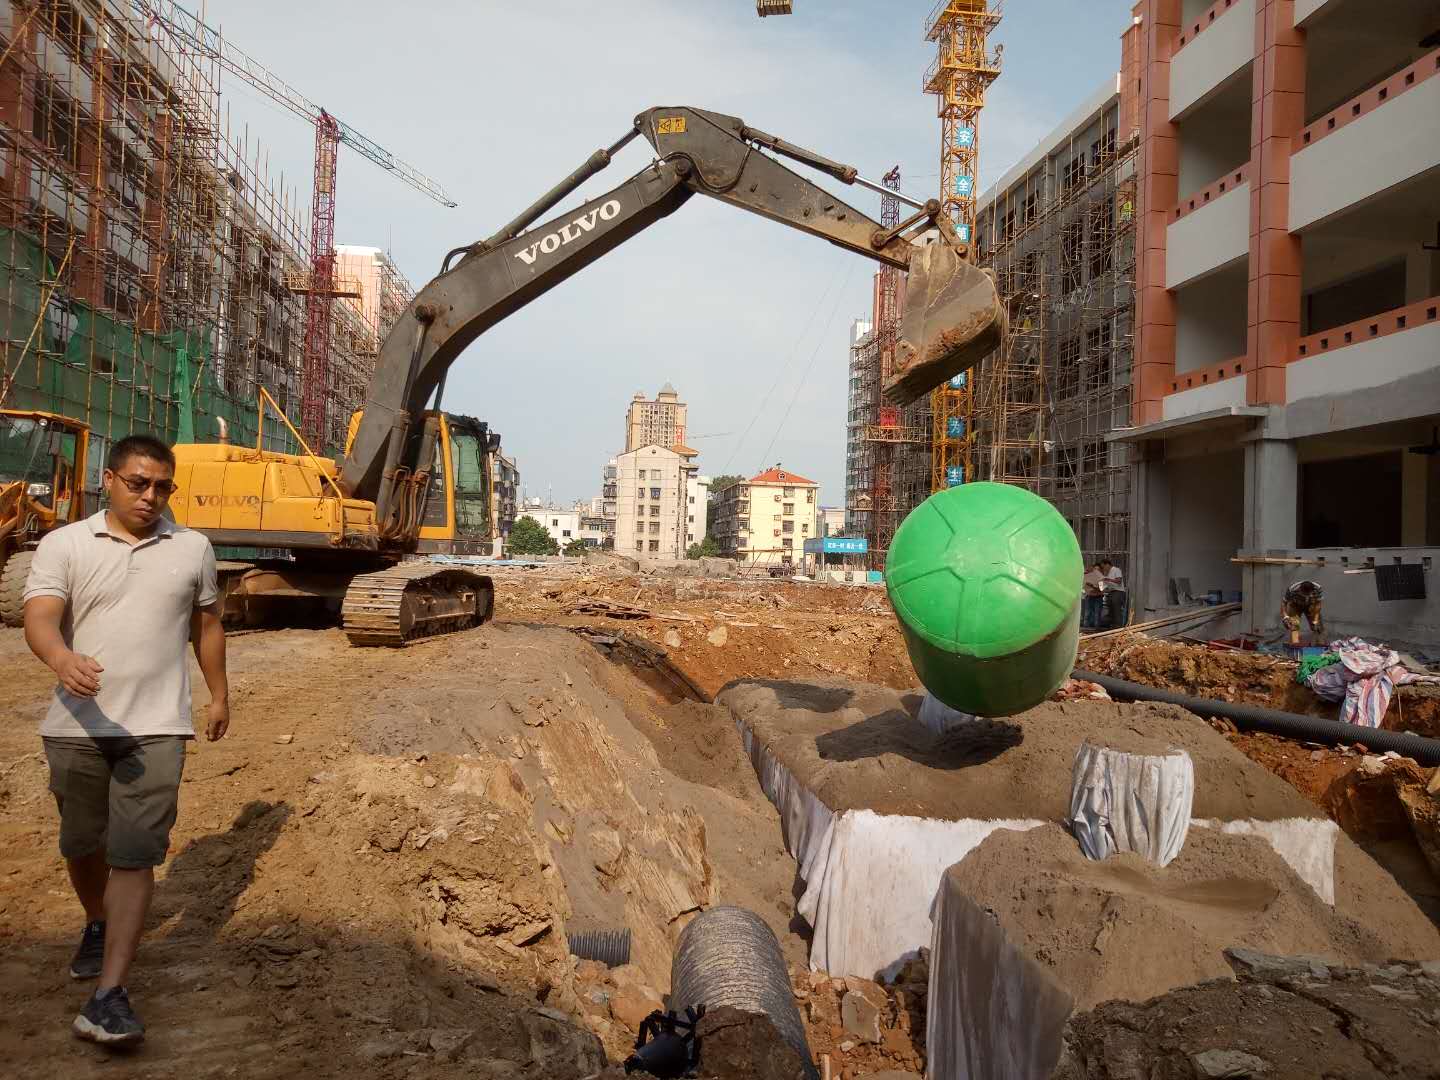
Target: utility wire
pixel 780 374
pixel 834 310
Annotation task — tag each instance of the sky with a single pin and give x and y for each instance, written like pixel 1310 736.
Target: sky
pixel 750 321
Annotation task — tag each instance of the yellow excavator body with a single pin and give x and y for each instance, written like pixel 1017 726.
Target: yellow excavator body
pixel 42 464
pixel 335 553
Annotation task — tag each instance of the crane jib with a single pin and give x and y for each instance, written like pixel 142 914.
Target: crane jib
pixel 571 230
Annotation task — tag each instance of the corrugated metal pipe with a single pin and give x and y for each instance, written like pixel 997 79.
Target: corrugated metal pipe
pixel 1290 725
pixel 728 956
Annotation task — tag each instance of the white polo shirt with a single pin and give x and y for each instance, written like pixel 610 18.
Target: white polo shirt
pixel 129 607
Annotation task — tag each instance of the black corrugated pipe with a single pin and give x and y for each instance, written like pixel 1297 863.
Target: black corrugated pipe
pixel 728 956
pixel 1291 725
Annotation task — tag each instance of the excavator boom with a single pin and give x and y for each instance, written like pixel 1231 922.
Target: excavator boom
pixel 952 316
pixel 399 491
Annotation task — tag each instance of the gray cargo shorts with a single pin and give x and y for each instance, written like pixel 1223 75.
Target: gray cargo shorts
pixel 117 792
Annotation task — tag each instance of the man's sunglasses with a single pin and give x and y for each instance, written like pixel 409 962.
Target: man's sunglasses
pixel 139 484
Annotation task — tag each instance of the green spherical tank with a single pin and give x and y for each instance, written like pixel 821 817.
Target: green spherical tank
pixel 985 580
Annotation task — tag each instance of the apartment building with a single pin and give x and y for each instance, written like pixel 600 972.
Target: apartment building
pixel 658 422
pixel 651 490
pixel 767 519
pixel 697 509
pixel 506 487
pixel 832 521
pixel 1287 362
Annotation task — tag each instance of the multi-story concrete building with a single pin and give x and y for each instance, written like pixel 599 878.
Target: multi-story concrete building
pixel 660 422
pixel 561 522
pixel 832 521
pixel 652 486
pixel 697 509
pixel 1058 230
pixel 1287 369
pixel 767 519
pixel 385 292
pixel 507 494
pixel 151 275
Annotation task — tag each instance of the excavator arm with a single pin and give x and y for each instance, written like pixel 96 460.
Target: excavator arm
pixel 952 315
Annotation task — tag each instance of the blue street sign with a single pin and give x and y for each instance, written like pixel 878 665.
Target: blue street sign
pixel 964 186
pixel 837 545
pixel 954 475
pixel 965 137
pixel 954 427
pixel 962 232
pixel 958 381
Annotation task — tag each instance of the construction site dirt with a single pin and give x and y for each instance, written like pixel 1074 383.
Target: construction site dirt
pixel 375 873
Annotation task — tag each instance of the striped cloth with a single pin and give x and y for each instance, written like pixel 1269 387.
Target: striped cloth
pixel 1364 678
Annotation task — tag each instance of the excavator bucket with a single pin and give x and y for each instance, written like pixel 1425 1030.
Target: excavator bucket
pixel 953 318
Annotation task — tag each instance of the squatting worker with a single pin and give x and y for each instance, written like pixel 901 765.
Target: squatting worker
pixel 1302 598
pixel 110 604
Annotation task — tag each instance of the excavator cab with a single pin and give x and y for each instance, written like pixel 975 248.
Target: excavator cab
pixel 457 518
pixel 42 458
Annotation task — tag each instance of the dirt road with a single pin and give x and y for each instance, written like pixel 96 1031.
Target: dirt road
pixel 376 868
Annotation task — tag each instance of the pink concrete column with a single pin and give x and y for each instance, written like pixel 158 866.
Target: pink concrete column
pixel 1277 115
pixel 1158 190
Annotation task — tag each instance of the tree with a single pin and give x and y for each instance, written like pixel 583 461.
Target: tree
pixel 528 537
pixel 706 549
pixel 576 548
pixel 723 481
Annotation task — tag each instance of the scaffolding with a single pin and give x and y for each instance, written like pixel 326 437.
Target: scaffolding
pixel 959 76
pixel 151 274
pixel 888 448
pixel 1062 245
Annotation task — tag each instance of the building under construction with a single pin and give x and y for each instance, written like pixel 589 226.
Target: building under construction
pixel 887 449
pixel 1058 230
pixel 151 276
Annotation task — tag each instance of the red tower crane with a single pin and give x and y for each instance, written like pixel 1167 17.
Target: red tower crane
pixel 320 291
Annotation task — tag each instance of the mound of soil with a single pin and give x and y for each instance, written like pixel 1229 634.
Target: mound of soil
pixel 1285 1019
pixel 1127 929
pixel 1249 677
pixel 859 746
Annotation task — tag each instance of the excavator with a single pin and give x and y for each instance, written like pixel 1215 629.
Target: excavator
pixel 352 528
pixel 42 458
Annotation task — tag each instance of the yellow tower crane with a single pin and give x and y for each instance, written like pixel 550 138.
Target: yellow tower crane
pixel 961 72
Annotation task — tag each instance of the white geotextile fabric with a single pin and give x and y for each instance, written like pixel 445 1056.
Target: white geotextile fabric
pixel 870 879
pixel 870 882
pixel 1131 802
pixel 1306 844
pixel 994 1012
pixel 937 717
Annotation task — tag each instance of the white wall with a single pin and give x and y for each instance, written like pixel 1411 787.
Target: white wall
pixel 1210 320
pixel 1199 399
pixel 1209 238
pixel 1385 147
pixel 697 509
pixel 1367 365
pixel 1202 65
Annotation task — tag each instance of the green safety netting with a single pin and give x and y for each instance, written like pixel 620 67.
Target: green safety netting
pixel 90 364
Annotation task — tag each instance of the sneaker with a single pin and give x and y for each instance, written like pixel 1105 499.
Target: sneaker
pixel 91 953
pixel 108 1019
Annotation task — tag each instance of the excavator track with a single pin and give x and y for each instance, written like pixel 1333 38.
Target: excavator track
pixel 414 600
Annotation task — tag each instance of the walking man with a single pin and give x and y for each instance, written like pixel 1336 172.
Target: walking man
pixel 109 607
